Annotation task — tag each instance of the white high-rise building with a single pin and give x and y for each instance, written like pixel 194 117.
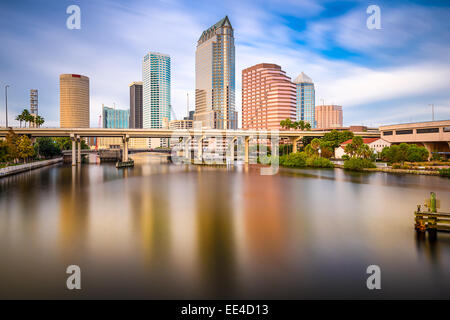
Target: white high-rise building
pixel 155 92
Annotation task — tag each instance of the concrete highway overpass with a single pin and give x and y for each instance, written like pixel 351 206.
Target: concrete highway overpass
pixel 76 134
pixel 433 135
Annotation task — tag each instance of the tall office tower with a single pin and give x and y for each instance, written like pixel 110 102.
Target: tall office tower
pixel 268 96
pixel 74 101
pixel 115 118
pixel 215 77
pixel 34 101
pixel 306 99
pixel 136 119
pixel 156 93
pixel 329 116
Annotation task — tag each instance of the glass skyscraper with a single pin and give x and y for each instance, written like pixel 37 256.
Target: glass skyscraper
pixel 156 90
pixel 306 99
pixel 115 118
pixel 215 77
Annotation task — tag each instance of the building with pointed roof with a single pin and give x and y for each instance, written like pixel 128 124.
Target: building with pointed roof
pixel 306 100
pixel 215 77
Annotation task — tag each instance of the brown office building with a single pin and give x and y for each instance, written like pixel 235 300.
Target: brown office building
pixel 74 101
pixel 329 116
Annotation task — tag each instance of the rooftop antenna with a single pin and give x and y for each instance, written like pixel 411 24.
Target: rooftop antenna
pixel 432 111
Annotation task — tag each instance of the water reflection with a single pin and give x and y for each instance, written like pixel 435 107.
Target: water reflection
pixel 164 231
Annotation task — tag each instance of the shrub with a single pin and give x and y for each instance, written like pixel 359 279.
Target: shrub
pixel 345 157
pixel 444 172
pixel 358 164
pixel 319 162
pixel 294 160
pixel 404 152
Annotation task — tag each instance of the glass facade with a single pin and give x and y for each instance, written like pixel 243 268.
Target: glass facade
pixel 156 90
pixel 115 118
pixel 306 100
pixel 215 84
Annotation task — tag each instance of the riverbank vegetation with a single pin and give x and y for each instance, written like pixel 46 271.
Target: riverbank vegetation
pixel 16 149
pixel 404 152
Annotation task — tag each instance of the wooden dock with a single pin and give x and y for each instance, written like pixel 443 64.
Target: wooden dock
pixel 430 219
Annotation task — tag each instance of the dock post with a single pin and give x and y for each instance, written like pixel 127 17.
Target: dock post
pixel 432 222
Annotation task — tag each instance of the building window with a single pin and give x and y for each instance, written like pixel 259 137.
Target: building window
pixel 428 130
pixel 403 131
pixel 387 133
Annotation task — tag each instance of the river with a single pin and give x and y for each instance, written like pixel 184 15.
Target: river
pixel 164 231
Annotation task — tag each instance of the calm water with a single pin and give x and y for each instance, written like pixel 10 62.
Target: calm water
pixel 165 231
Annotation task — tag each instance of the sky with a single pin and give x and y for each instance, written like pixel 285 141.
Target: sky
pixel 379 76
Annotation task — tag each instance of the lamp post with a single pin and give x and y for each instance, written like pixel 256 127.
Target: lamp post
pixel 432 111
pixel 6 103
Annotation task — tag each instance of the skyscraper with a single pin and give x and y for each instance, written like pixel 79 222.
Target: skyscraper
pixel 136 119
pixel 306 99
pixel 268 96
pixel 215 77
pixel 74 101
pixel 115 118
pixel 329 116
pixel 156 89
pixel 156 92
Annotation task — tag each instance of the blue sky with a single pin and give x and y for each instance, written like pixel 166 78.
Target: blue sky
pixel 381 76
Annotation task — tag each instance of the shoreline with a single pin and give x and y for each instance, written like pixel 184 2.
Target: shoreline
pixel 7 171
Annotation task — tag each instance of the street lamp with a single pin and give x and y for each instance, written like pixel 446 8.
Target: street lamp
pixel 6 103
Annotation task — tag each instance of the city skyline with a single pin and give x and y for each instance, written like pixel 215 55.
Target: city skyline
pixel 351 65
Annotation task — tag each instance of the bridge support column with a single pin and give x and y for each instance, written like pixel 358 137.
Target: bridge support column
pixel 294 144
pixel 74 151
pixel 186 151
pixel 125 148
pixel 231 147
pixel 200 148
pixel 246 141
pixel 78 149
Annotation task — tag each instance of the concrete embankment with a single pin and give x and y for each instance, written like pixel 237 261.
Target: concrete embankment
pixel 27 167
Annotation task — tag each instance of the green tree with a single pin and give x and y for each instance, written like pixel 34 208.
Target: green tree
pixel 26 116
pixel 315 145
pixel 47 147
pixel 307 126
pixel 4 154
pixel 25 148
pixel 39 121
pixel 12 141
pixel 337 137
pixel 65 143
pixel 20 119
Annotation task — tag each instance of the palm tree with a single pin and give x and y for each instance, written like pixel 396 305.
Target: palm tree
pixel 39 121
pixel 283 124
pixel 26 116
pixel 20 119
pixel 301 124
pixel 307 126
